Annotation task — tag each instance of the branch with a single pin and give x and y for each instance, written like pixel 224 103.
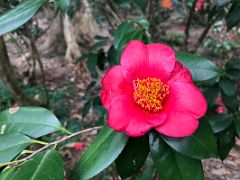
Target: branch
pixel 55 143
pixel 36 56
pixel 202 36
pixel 188 24
pixel 8 76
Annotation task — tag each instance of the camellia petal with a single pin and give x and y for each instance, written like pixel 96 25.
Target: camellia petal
pixel 135 53
pixel 184 106
pixel 161 61
pixel 125 115
pixel 151 90
pixel 180 73
pixel 114 85
pixel 178 125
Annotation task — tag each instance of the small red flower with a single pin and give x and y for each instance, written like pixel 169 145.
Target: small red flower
pixel 219 101
pixel 150 89
pixel 199 5
pixel 78 146
pixel 221 110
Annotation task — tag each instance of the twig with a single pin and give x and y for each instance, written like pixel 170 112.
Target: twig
pixel 202 36
pixel 113 10
pixel 188 25
pixel 55 143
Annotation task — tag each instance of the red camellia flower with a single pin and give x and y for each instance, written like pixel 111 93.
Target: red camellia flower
pixel 150 89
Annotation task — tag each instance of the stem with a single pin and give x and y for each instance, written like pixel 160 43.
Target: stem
pixel 55 143
pixel 39 142
pixel 188 25
pixel 36 56
pixel 65 131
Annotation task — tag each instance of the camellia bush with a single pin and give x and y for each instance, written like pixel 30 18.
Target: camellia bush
pixel 166 111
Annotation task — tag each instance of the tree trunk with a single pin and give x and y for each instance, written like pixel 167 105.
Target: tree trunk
pixel 8 76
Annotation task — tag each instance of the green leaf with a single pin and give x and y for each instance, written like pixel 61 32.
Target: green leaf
pixel 19 15
pixel 199 145
pixel 138 34
pixel 233 64
pixel 133 156
pixel 234 73
pixel 143 23
pixel 231 102
pixel 237 125
pixel 31 121
pixel 123 29
pixel 45 166
pixel 7 173
pixel 102 152
pixel 201 68
pixel 148 170
pixel 220 122
pixel 11 145
pixel 92 63
pixel 112 60
pixel 233 16
pixel 172 165
pixel 228 86
pixel 211 93
pixel 64 5
pixel 226 141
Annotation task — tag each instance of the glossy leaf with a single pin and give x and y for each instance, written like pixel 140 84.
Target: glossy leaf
pixel 11 145
pixel 231 102
pixel 7 173
pixel 132 157
pixel 228 86
pixel 45 166
pixel 199 145
pixel 123 29
pixel 237 125
pixel 32 121
pixel 226 141
pixel 148 170
pixel 142 22
pixel 112 60
pixel 220 122
pixel 19 15
pixel 102 152
pixel 201 68
pixel 137 34
pixel 64 5
pixel 211 93
pixel 173 165
pixel 233 16
pixel 92 63
pixel 234 73
pixel 233 64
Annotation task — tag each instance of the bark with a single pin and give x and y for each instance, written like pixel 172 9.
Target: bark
pixel 8 76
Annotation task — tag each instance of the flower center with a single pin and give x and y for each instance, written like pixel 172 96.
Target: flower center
pixel 150 93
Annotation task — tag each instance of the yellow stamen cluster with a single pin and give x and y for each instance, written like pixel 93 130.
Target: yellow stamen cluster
pixel 150 93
